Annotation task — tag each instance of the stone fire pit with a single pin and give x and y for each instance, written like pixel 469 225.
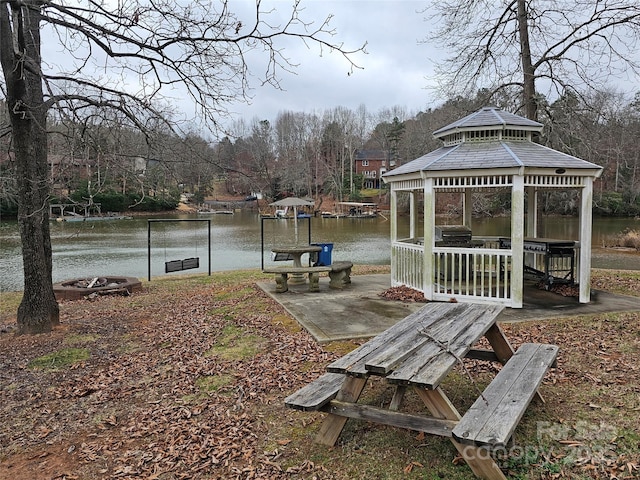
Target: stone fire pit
pixel 81 287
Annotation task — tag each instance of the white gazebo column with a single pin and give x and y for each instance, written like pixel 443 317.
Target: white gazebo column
pixel 429 222
pixel 413 214
pixel 517 240
pixel 393 234
pixel 532 212
pixel 584 261
pixel 393 205
pixel 467 208
pixel 531 228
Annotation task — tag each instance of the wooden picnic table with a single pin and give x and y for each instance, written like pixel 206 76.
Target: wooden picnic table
pixel 419 352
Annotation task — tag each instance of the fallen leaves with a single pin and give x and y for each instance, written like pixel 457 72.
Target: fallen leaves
pixel 409 468
pixel 403 293
pixel 156 400
pixel 139 404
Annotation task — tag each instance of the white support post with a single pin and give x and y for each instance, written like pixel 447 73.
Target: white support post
pixel 517 240
pixel 429 222
pixel 394 214
pixel 584 261
pixel 393 201
pixel 413 213
pixel 531 228
pixel 467 209
pixel 532 212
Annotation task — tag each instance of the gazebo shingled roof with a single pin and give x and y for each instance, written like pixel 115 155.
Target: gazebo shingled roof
pixel 492 153
pixel 489 117
pixel 483 151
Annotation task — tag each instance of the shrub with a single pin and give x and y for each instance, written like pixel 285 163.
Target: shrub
pixel 630 238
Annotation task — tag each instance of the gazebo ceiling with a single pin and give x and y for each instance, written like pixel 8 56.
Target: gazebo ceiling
pixel 492 139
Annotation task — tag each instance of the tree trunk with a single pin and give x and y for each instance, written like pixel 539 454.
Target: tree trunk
pixel 20 51
pixel 529 86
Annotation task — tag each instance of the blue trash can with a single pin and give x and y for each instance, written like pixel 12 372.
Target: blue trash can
pixel 324 256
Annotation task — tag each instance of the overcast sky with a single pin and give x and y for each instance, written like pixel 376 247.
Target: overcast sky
pixel 393 72
pixel 397 70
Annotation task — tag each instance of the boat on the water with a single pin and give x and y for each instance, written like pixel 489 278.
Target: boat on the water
pixel 90 218
pixel 353 210
pixel 215 212
pixel 91 212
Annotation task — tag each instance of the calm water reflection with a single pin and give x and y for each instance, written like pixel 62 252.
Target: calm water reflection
pixel 120 247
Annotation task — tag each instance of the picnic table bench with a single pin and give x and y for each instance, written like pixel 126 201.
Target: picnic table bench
pixel 419 352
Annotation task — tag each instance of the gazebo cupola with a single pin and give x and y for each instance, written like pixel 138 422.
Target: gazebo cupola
pixel 488 151
pixel 488 124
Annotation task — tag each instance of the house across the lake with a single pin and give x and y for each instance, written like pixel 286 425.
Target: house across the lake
pixel 372 164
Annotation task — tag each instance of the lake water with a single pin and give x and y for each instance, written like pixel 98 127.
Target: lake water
pixel 120 247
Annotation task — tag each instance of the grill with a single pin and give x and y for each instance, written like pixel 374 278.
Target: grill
pixel 452 236
pixel 455 267
pixel 558 262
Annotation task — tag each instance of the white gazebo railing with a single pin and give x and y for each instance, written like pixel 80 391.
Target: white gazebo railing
pixel 407 265
pixel 472 274
pixel 466 274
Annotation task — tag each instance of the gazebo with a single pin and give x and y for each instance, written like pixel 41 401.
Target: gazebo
pixel 489 151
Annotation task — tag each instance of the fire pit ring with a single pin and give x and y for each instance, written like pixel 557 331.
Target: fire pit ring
pixel 81 287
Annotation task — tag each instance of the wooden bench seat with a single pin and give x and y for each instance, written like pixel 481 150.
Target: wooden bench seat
pixel 492 419
pixel 282 274
pixel 340 274
pixel 316 394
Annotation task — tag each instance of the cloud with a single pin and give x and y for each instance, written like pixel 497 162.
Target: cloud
pixel 393 73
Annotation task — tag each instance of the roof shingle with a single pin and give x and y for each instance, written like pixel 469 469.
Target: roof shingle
pixel 493 154
pixel 488 117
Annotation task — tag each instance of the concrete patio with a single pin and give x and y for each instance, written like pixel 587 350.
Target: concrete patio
pixel 359 312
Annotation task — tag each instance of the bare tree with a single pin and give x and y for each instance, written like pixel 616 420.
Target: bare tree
pixel 292 137
pixel 261 153
pixel 123 56
pixel 569 45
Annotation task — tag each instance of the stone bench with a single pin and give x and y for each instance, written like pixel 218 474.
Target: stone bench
pixel 494 416
pixel 282 275
pixel 340 274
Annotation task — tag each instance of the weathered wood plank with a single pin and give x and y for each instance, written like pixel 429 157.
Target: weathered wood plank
pixel 450 346
pixel 405 335
pixel 482 354
pixel 394 353
pixel 398 396
pixel 317 393
pixel 499 343
pixel 172 266
pixel 478 458
pixel 420 423
pixel 491 420
pixel 332 426
pixel 393 334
